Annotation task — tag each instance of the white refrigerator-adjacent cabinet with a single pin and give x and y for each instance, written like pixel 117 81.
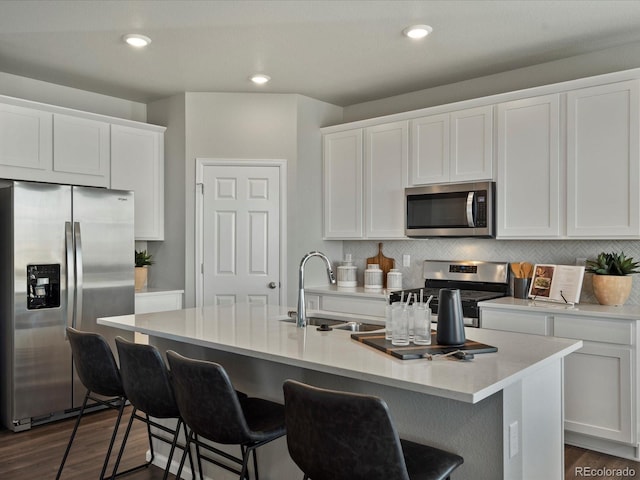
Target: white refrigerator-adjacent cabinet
pixel 66 258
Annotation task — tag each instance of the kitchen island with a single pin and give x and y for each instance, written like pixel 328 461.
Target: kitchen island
pixel 502 412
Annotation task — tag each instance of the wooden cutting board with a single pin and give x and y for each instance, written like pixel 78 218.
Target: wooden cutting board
pixel 385 264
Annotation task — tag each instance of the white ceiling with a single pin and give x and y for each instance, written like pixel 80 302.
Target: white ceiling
pixel 342 52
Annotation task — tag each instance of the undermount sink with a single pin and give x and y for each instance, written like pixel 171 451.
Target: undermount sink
pixel 353 326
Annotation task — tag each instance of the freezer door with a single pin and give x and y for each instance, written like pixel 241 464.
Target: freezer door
pixel 104 251
pixel 41 370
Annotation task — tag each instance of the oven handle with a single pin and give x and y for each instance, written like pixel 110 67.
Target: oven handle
pixel 470 202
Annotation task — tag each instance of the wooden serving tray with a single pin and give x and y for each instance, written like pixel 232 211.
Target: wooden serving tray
pixel 412 351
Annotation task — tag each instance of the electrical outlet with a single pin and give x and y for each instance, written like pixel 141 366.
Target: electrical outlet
pixel 513 439
pixel 406 260
pixel 581 261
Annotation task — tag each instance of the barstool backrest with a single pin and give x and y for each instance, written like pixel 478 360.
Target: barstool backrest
pixel 146 379
pixel 94 362
pixel 334 435
pixel 207 401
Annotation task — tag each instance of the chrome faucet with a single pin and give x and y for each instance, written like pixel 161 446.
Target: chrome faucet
pixel 301 319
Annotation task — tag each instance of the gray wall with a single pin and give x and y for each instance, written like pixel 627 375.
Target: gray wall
pixel 43 92
pixel 249 126
pixel 614 59
pixel 169 270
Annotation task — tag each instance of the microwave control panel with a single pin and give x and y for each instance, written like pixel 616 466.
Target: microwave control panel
pixel 481 209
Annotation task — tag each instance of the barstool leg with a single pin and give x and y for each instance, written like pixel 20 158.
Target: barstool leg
pixel 124 443
pixel 188 450
pixel 113 437
pixel 73 434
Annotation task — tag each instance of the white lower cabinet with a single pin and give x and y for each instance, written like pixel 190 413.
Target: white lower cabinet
pixel 600 380
pixel 356 303
pixel 532 323
pixel 158 301
pixel 598 392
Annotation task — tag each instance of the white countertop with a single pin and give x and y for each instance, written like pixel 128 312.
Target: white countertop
pixel 257 331
pixel 623 312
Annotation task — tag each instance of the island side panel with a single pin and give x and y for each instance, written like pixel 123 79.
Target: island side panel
pixel 533 419
pixel 474 431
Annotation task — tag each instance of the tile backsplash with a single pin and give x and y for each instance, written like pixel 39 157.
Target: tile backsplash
pixel 561 252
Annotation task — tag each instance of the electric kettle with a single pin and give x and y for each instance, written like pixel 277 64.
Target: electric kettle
pixel 450 318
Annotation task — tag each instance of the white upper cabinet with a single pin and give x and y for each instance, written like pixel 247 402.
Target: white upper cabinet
pixel 603 160
pixel 25 143
pixel 137 163
pixel 342 169
pixel 452 147
pixel 472 144
pixel 529 173
pixel 45 143
pixel 365 172
pixel 80 151
pixel 385 177
pixel 430 149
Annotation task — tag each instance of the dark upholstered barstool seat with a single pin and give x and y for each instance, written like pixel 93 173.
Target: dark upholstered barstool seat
pixel 147 384
pixel 97 369
pixel 334 435
pixel 213 410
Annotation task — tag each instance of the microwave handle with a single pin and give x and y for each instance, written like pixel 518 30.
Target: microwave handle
pixel 470 203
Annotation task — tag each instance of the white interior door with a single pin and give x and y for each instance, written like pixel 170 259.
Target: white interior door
pixel 240 225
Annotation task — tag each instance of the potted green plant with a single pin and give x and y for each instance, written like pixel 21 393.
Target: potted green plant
pixel 612 277
pixel 143 260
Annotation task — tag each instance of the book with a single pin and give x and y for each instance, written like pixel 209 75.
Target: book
pixel 556 283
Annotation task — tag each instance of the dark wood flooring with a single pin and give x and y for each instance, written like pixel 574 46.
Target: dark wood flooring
pixel 36 454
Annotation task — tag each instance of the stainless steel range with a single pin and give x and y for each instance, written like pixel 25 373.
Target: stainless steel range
pixel 477 281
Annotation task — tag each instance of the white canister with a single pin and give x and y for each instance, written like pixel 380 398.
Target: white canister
pixel 347 273
pixel 373 276
pixel 394 279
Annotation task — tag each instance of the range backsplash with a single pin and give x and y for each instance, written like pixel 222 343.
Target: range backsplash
pixel 561 252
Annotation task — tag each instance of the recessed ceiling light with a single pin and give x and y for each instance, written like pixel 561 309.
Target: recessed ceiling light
pixel 136 40
pixel 417 31
pixel 260 78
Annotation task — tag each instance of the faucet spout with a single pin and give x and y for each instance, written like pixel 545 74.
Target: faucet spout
pixel 301 318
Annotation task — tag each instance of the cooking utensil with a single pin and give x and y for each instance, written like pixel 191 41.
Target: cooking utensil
pixel 516 269
pixel 527 269
pixel 385 264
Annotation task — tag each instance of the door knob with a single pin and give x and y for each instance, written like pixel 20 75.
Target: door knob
pixel 272 285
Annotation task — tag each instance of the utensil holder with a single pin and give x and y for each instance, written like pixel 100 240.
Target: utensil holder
pixel 521 287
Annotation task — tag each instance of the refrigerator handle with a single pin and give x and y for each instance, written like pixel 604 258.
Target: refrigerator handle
pixel 79 267
pixel 71 275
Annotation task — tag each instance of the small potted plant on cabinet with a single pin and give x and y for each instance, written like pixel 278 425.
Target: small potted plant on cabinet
pixel 143 260
pixel 612 277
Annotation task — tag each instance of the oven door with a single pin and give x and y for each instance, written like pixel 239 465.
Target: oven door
pixel 461 210
pixel 468 321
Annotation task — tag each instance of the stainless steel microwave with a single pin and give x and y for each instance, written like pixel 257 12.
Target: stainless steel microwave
pixel 451 210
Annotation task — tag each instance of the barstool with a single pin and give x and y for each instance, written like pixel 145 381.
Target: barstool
pixel 214 411
pixel 334 435
pixel 146 382
pixel 97 369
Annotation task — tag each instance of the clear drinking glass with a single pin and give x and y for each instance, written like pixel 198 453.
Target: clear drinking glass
pixel 399 324
pixel 388 322
pixel 422 324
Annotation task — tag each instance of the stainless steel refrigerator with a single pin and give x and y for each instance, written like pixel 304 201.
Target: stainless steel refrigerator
pixel 66 258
